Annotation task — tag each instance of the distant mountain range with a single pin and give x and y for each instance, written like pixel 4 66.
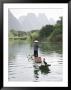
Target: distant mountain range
pixel 13 23
pixel 29 22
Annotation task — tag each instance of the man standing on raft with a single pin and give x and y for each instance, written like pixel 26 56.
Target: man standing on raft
pixel 35 48
pixel 37 58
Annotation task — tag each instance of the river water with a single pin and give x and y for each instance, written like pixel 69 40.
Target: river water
pixel 21 67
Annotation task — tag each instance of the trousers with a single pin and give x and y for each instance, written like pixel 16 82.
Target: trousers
pixel 35 53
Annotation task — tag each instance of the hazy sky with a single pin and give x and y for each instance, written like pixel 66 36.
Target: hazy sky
pixel 50 13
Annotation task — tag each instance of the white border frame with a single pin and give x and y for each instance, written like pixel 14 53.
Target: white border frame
pixel 63 83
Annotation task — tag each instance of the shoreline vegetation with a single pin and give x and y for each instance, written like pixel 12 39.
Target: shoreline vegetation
pixel 49 34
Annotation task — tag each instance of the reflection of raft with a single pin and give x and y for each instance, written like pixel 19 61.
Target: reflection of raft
pixel 44 69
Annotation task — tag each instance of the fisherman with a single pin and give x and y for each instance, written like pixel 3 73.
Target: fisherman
pixel 36 48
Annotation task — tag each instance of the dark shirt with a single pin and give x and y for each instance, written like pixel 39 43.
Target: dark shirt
pixel 35 47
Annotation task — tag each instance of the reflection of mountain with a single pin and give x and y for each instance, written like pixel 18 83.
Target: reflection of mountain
pixel 13 23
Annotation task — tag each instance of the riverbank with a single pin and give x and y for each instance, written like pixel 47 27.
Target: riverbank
pixel 47 33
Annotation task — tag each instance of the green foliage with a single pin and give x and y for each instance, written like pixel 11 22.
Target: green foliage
pixel 51 46
pixel 56 35
pixel 34 36
pixel 48 33
pixel 45 31
pixel 12 31
pixel 13 34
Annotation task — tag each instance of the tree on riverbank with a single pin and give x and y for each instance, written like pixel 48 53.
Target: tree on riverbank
pixel 56 35
pixel 47 33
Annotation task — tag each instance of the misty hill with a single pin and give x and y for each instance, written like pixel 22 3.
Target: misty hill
pixel 13 23
pixel 33 22
pixel 28 22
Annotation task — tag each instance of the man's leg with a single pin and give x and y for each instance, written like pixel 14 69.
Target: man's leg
pixel 36 53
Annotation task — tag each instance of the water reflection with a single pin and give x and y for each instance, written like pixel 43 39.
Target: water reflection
pixel 36 71
pixel 51 47
pixel 39 68
pixel 44 69
pixel 21 67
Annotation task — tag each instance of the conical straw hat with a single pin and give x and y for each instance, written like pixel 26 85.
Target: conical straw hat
pixel 35 41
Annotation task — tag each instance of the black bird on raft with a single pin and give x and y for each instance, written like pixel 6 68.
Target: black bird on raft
pixel 44 61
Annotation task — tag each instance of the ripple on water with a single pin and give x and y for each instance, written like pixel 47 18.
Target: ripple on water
pixel 21 69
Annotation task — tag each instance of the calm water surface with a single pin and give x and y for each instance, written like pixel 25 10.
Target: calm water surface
pixel 21 67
